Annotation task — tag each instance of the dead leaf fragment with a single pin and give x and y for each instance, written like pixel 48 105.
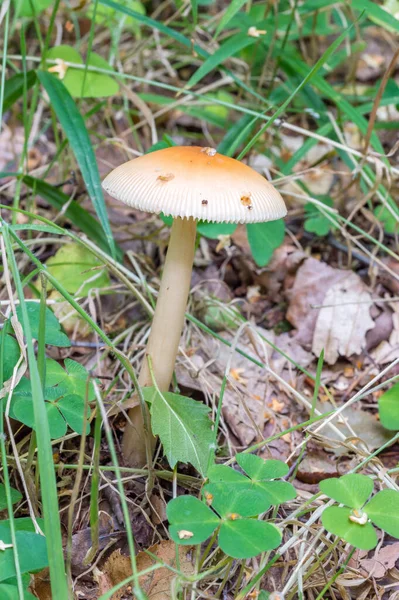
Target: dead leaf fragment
pixel 385 559
pixel 359 423
pixel 344 320
pixel 388 351
pixel 312 281
pixel 315 467
pixel 236 375
pixel 157 584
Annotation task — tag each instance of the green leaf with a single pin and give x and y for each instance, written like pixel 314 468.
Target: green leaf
pixel 352 490
pixel 307 76
pixel 65 391
pixel 223 474
pixel 236 135
pixel 53 333
pixel 228 500
pixel 388 406
pixel 319 225
pixel 391 225
pixel 183 426
pixel 214 230
pixel 187 513
pixel 232 9
pixel 259 469
pixel 194 10
pixel 75 130
pixel 77 379
pixel 383 510
pixel 35 227
pixel 336 520
pixel 96 85
pixel 56 423
pixel 15 496
pixel 14 88
pixel 377 14
pixel 316 222
pixel 260 488
pixel 262 472
pixel 81 218
pixel 24 7
pixel 32 550
pixel 72 408
pixel 244 538
pixel 10 592
pixel 78 269
pixel 264 238
pixel 9 354
pixel 54 373
pixel 228 49
pixel 108 17
pixel 22 410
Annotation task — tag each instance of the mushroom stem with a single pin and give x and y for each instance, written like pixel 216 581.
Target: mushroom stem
pixel 166 329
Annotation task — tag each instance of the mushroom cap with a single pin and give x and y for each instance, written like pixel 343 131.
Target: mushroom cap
pixel 190 181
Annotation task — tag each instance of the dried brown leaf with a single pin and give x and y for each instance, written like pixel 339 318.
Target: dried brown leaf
pixel 362 424
pixel 343 322
pixel 385 559
pixel 312 281
pixel 157 584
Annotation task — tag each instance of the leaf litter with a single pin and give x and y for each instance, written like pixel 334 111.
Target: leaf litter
pixel 309 298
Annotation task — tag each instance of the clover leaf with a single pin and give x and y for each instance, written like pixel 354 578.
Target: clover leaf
pixel 79 82
pixel 352 521
pixel 233 499
pixel 192 522
pixel 388 407
pixel 387 218
pixel 65 395
pixel 316 222
pixel 53 334
pixel 260 489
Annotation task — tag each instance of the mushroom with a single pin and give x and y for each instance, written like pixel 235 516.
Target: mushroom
pixel 188 183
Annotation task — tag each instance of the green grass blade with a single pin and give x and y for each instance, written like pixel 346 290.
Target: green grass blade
pixel 78 215
pixel 322 60
pixel 227 50
pixel 74 126
pixel 194 10
pixel 232 10
pixel 377 14
pixel 168 31
pixel 14 88
pixel 236 135
pixel 175 35
pixel 52 526
pixel 350 111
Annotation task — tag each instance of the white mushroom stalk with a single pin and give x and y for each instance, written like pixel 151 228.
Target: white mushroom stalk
pixel 187 183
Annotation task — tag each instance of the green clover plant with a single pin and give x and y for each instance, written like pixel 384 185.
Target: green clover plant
pixel 31 547
pixel 388 406
pixel 32 556
pixel 316 222
pixel 82 83
pixel 232 503
pixel 64 393
pixel 353 521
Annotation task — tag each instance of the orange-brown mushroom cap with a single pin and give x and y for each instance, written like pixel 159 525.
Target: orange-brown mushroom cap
pixel 190 181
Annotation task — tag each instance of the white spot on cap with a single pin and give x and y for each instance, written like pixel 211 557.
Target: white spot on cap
pixel 209 151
